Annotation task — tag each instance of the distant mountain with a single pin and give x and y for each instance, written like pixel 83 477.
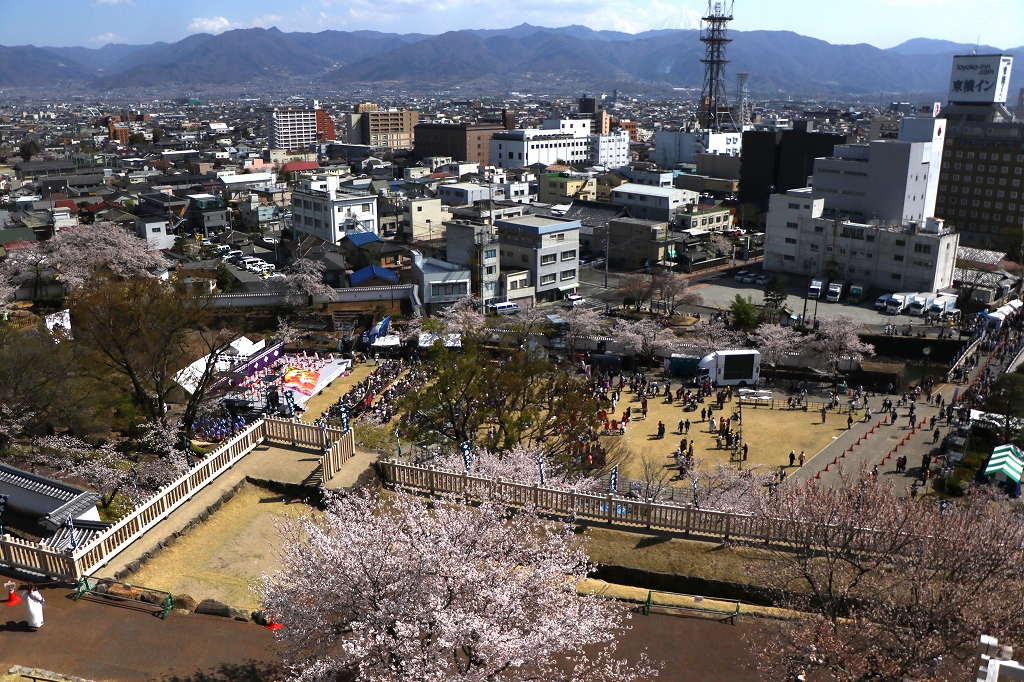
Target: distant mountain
pixel 96 59
pixel 571 57
pixel 27 66
pixel 930 46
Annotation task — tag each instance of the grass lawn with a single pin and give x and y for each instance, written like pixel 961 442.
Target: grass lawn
pixel 220 558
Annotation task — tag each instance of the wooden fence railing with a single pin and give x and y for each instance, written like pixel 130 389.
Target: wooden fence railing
pixel 341 451
pixel 616 510
pixel 62 564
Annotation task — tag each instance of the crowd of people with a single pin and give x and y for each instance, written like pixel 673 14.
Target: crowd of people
pixel 212 430
pixel 375 397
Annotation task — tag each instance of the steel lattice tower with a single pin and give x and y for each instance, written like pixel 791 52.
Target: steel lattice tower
pixel 743 98
pixel 714 102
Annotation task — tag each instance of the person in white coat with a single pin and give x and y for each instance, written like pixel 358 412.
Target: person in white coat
pixel 34 601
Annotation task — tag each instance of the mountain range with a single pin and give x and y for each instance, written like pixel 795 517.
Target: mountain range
pixel 523 56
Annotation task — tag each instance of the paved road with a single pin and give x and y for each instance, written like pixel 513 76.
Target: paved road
pixel 101 641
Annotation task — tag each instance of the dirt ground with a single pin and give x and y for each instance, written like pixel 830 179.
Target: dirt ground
pixel 771 434
pixel 221 557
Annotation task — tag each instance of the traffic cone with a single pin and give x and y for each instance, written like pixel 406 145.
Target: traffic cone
pixel 819 475
pixel 843 455
pixel 13 599
pixel 835 460
pixel 827 466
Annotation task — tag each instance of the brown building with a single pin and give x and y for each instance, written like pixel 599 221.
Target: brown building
pixel 119 132
pixel 631 126
pixel 383 128
pixel 980 187
pixel 324 126
pixel 462 142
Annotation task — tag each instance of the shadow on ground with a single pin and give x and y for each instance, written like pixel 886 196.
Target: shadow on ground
pixel 249 671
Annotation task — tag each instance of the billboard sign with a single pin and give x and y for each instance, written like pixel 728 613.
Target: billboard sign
pixel 980 79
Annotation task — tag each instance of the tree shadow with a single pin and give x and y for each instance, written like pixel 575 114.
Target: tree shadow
pixel 249 671
pixel 652 541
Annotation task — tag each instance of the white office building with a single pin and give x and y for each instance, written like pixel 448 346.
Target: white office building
pixel 559 140
pixel 676 147
pixel 800 239
pixel 291 128
pixel 324 209
pixel 654 203
pixel 611 150
pixel 892 181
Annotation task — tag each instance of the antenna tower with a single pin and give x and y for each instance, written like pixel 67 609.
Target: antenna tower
pixel 743 97
pixel 714 103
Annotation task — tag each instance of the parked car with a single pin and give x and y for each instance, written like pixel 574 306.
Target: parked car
pixel 740 275
pixel 762 280
pixel 749 278
pixel 574 300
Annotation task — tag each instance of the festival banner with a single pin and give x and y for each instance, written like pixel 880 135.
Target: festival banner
pixel 300 380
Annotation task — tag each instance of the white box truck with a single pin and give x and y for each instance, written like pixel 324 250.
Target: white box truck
pixel 897 303
pixel 732 367
pixel 919 304
pixel 882 302
pixel 817 286
pixel 941 306
pixel 836 291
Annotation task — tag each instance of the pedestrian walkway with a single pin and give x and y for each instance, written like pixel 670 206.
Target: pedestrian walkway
pixel 878 443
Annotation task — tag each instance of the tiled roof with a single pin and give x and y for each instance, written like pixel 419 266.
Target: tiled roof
pixel 372 271
pixel 38 484
pixel 85 531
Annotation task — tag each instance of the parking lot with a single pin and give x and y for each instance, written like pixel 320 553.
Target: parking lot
pixel 720 292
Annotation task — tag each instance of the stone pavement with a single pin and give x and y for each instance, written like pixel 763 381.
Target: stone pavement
pixel 879 443
pixel 101 640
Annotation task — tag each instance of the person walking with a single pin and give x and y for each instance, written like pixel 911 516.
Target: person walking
pixel 34 602
pixel 849 422
pixel 687 427
pixel 661 430
pixel 823 415
pixel 682 426
pixel 792 457
pixel 711 426
pixel 936 436
pixel 802 457
pixel 703 414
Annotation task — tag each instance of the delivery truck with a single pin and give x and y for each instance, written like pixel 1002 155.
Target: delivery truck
pixel 836 291
pixel 732 367
pixel 817 286
pixel 919 304
pixel 898 302
pixel 942 306
pixel 858 292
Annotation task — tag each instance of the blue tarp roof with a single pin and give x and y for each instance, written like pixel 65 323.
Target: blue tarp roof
pixel 363 238
pixel 372 271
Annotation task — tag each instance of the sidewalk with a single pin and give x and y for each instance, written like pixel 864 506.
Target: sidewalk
pixel 879 443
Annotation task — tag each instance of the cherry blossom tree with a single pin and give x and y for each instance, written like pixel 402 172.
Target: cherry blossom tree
pixel 776 342
pixel 724 487
pixel 520 327
pixel 583 323
pixel 637 287
pixel 894 588
pixel 675 288
pixel 464 317
pixel 305 279
pixel 837 339
pixel 518 465
pixel 645 337
pixel 707 337
pixel 414 590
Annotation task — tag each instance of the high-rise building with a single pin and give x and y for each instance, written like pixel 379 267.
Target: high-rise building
pixel 775 162
pixel 383 127
pixel 980 186
pixel 588 105
pixel 297 128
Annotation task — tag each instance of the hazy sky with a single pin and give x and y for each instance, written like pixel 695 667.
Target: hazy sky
pixel 883 23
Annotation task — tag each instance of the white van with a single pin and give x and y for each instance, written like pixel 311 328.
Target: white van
pixel 503 308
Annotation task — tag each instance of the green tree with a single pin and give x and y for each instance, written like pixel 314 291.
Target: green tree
pixel 226 282
pixel 28 149
pixel 744 312
pixel 158 134
pixel 1007 400
pixel 128 206
pixel 775 294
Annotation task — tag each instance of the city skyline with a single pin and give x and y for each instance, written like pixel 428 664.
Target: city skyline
pixel 882 23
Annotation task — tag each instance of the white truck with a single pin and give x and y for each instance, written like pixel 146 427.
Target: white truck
pixel 882 302
pixel 836 291
pixel 919 304
pixel 731 367
pixel 817 286
pixel 898 303
pixel 942 306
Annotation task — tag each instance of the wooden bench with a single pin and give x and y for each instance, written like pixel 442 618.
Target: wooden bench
pixel 112 589
pixel 700 605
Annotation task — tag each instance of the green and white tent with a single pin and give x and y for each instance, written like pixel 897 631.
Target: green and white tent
pixel 1007 460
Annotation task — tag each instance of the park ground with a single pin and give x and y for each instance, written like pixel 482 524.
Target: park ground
pixel 770 434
